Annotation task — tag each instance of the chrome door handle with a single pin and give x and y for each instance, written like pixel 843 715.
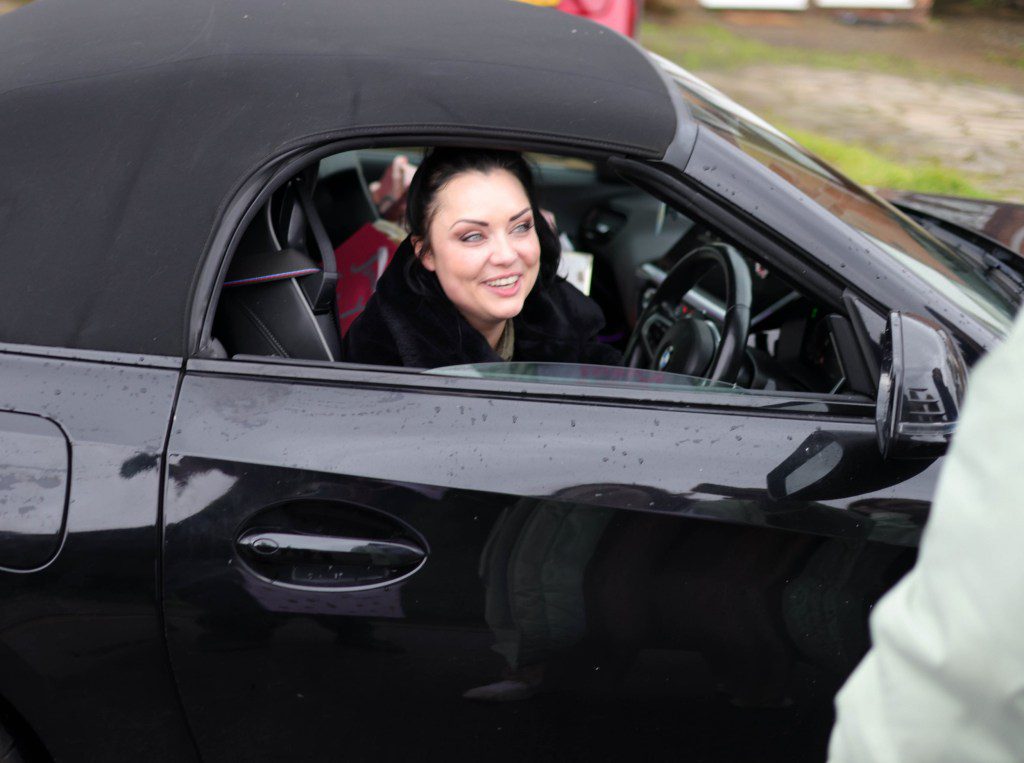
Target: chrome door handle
pixel 285 545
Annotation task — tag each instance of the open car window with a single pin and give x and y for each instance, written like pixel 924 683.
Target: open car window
pixel 309 261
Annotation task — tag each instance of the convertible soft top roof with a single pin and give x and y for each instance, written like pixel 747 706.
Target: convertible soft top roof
pixel 128 124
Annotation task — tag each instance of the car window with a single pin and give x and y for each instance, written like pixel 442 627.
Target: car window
pixel 619 245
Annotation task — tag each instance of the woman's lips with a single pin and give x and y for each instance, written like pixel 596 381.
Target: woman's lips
pixel 505 286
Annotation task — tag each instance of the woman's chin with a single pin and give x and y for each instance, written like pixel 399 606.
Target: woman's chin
pixel 507 312
pixel 505 308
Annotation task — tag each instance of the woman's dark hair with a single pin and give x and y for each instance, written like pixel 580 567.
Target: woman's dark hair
pixel 436 170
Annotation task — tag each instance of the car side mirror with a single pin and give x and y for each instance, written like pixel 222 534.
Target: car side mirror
pixel 920 390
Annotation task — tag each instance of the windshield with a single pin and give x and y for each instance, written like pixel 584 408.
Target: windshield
pixel 953 274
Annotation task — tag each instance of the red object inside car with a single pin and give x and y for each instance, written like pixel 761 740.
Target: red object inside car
pixel 361 259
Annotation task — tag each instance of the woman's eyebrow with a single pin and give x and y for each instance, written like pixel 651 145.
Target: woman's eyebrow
pixel 483 224
pixel 472 222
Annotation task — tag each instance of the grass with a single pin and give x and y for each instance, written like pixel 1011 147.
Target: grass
pixel 708 47
pixel 1016 61
pixel 870 168
pixel 11 5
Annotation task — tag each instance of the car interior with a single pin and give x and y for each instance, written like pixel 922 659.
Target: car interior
pixel 306 264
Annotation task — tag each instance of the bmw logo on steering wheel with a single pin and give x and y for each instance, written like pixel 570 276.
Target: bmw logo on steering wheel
pixel 666 356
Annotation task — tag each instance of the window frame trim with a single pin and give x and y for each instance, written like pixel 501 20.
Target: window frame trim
pixel 254 192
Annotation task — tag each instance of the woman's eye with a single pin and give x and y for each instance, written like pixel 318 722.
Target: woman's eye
pixel 471 238
pixel 523 227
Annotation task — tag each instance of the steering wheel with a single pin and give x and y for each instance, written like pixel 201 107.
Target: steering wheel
pixel 692 344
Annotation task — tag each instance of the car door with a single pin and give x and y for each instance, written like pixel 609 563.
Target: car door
pixel 81 637
pixel 348 551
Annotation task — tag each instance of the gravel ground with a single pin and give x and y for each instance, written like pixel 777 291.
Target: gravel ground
pixel 955 46
pixel 965 109
pixel 975 129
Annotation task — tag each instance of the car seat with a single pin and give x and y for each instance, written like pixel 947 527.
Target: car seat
pixel 278 295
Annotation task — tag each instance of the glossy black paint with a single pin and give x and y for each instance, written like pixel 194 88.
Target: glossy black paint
pixel 673 603
pixel 920 390
pixel 82 657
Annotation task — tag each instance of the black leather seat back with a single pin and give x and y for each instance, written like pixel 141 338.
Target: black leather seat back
pixel 278 296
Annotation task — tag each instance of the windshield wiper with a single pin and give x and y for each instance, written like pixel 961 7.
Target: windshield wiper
pixel 979 251
pixel 993 263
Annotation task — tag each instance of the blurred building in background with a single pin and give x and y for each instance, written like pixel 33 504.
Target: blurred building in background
pixel 624 15
pixel 911 9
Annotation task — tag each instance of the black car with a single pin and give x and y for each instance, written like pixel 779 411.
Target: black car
pixel 221 541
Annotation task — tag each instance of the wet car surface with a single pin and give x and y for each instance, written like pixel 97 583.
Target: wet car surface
pixel 215 550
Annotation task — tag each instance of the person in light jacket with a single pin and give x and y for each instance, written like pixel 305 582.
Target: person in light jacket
pixel 944 681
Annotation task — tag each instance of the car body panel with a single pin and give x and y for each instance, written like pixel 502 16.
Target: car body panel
pixel 456 467
pixel 85 631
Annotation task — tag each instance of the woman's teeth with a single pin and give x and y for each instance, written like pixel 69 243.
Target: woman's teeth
pixel 500 282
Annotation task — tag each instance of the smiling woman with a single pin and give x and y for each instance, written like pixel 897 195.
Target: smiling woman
pixel 475 281
pixel 486 267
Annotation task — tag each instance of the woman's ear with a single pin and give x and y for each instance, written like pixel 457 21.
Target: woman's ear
pixel 423 253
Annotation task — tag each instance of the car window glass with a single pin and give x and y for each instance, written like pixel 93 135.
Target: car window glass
pixel 896 235
pixel 578 374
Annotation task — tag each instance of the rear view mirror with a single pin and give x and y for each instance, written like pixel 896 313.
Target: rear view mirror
pixel 920 389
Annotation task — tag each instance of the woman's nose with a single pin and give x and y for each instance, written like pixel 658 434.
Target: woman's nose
pixel 504 252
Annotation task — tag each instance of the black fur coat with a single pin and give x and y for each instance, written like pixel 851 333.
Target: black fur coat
pixel 401 328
